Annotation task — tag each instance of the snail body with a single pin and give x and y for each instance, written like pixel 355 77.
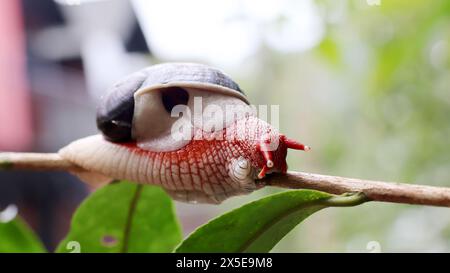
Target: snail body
pixel 215 157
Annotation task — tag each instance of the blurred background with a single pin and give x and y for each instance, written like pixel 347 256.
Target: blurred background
pixel 366 83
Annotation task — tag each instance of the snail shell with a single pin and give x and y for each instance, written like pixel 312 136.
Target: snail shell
pixel 140 106
pixel 209 163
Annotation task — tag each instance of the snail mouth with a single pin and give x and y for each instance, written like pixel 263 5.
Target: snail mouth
pixel 268 156
pixel 264 170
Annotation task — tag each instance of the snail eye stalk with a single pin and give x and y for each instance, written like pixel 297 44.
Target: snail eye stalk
pixel 293 144
pixel 266 153
pixel 263 172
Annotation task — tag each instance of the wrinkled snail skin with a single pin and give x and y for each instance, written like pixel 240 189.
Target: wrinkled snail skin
pixel 212 166
pixel 202 171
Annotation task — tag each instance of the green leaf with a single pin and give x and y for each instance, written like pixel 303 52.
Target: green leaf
pixel 17 237
pixel 329 49
pixel 124 217
pixel 260 225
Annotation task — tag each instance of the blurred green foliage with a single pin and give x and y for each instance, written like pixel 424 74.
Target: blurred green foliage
pixel 258 226
pixel 17 237
pixel 124 217
pixel 372 99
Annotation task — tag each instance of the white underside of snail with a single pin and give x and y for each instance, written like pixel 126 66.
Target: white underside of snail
pixel 120 163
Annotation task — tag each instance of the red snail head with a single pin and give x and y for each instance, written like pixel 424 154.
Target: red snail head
pixel 187 127
pixel 274 160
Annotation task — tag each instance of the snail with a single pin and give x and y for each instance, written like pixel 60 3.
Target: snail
pixel 186 127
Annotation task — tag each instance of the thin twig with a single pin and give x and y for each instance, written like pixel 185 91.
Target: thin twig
pixel 36 162
pixel 374 190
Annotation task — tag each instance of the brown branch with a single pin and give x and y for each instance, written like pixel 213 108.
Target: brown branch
pixel 374 190
pixel 36 162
